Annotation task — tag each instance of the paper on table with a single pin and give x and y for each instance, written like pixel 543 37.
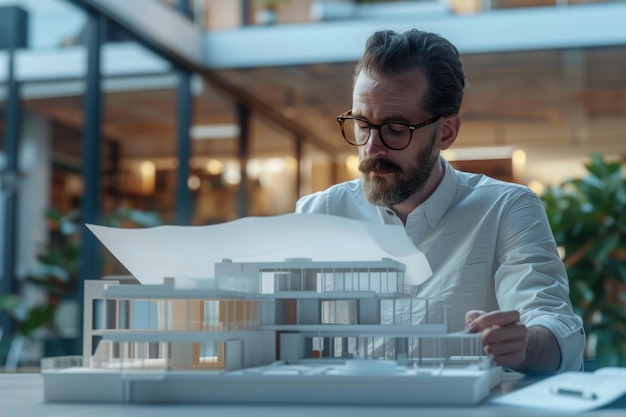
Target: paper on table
pixel 151 254
pixel 571 391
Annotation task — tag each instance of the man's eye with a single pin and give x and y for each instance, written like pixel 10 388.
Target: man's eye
pixel 362 125
pixel 396 129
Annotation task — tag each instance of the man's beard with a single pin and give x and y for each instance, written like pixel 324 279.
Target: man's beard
pixel 382 192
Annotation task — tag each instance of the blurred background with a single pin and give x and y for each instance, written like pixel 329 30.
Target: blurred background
pixel 142 112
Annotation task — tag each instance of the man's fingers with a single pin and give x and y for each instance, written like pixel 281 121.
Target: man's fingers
pixel 472 315
pixel 495 318
pixel 506 344
pixel 511 360
pixel 507 334
pixel 510 353
pixel 504 337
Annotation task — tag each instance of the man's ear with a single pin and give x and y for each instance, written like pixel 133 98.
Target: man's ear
pixel 450 126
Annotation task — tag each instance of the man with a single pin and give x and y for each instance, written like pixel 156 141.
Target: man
pixel 489 244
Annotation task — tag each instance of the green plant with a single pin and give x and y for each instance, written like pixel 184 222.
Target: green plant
pixel 588 218
pixel 27 319
pixel 57 269
pixel 58 261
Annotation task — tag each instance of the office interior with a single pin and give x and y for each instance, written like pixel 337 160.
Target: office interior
pixel 231 111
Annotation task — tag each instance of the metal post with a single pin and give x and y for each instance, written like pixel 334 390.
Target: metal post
pixel 244 145
pixel 298 152
pixel 90 259
pixel 184 110
pixel 10 187
pixel 245 12
pixel 183 193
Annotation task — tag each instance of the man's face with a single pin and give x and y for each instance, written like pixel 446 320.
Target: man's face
pixel 391 177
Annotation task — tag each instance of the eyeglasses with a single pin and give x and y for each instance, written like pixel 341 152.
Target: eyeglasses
pixel 394 135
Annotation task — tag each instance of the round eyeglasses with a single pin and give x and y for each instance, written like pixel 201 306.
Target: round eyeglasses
pixel 394 135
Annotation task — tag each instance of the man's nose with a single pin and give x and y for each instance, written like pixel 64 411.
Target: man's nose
pixel 375 145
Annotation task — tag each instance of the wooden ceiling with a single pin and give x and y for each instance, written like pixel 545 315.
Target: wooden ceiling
pixel 549 100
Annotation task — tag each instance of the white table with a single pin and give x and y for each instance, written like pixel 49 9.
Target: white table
pixel 21 395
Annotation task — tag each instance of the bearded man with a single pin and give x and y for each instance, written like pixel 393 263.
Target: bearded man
pixel 494 259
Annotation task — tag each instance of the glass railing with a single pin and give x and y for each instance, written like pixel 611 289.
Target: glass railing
pixel 212 15
pixel 60 24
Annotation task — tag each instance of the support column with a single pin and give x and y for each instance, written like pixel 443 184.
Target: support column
pixel 10 185
pixel 244 154
pixel 91 204
pixel 183 193
pixel 246 10
pixel 184 110
pixel 15 17
pixel 298 166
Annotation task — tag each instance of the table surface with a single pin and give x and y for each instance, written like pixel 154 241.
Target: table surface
pixel 21 395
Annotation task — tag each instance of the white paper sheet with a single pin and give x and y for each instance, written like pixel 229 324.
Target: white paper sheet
pixel 151 254
pixel 571 391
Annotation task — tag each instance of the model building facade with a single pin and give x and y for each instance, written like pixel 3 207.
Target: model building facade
pixel 260 320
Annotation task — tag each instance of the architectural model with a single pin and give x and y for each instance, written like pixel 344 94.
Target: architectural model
pixel 296 331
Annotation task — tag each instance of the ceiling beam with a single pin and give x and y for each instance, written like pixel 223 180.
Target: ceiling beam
pixel 181 44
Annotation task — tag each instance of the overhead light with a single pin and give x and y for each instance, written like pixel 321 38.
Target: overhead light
pixel 147 171
pixel 232 173
pixel 223 131
pixel 214 167
pixel 194 182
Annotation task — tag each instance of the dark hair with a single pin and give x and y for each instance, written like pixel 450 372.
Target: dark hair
pixel 388 53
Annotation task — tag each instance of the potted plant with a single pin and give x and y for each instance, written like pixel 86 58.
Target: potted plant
pixel 56 275
pixel 27 321
pixel 588 218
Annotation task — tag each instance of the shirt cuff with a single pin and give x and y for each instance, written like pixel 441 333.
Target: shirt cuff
pixel 570 337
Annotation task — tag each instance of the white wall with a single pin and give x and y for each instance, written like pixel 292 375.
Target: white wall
pixel 33 193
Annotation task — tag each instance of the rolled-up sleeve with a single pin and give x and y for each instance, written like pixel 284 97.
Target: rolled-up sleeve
pixel 532 279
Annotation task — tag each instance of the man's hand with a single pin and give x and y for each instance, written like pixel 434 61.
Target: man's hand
pixel 512 344
pixel 504 337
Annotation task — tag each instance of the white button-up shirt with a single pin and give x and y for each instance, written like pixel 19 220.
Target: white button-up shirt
pixel 489 245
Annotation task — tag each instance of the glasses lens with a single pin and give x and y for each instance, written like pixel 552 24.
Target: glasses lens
pixel 395 136
pixel 355 132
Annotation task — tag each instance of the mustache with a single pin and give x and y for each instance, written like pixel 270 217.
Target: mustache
pixel 378 164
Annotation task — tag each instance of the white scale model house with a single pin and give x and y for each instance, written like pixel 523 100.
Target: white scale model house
pixel 296 331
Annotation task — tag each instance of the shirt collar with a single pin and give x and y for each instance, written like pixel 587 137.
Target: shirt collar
pixel 437 204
